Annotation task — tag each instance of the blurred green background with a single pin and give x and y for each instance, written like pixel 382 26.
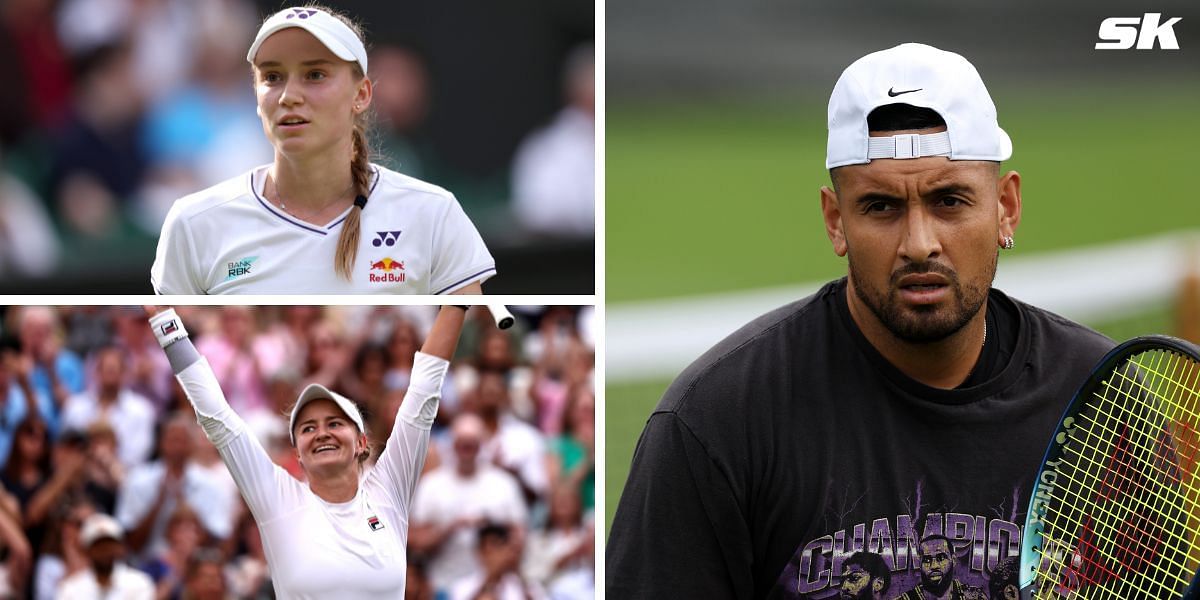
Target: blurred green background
pixel 715 142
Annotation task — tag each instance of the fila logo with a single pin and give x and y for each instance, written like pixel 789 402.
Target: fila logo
pixel 169 327
pixel 385 238
pixel 1123 31
pixel 301 13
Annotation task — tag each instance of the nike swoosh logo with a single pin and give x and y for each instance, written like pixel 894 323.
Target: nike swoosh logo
pixel 894 94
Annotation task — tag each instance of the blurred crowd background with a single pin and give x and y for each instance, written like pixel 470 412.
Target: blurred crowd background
pixel 113 109
pixel 93 422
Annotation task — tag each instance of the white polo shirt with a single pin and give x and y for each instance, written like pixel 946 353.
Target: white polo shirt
pixel 228 239
pixel 319 549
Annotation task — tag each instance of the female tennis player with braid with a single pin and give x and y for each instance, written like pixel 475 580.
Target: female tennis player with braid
pixel 321 218
pixel 343 533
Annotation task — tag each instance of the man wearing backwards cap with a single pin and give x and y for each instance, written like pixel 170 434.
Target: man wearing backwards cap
pixel 321 218
pixel 343 532
pixel 905 400
pixel 103 540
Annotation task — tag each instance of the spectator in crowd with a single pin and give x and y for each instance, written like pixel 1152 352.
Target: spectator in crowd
pixel 204 578
pixel 416 583
pixel 572 457
pixel 328 353
pixel 404 340
pixel 18 399
pixel 62 552
pixel 110 401
pixel 234 353
pixel 562 556
pixel 28 469
pixel 56 372
pixel 85 329
pixel 511 444
pixel 29 246
pixel 366 382
pixel 67 482
pixel 103 474
pixel 169 565
pixel 401 101
pixel 148 373
pixel 17 565
pixel 98 163
pixel 248 574
pixel 153 491
pixel 206 130
pixel 454 500
pixel 106 576
pixel 554 171
pixel 39 93
pixel 499 578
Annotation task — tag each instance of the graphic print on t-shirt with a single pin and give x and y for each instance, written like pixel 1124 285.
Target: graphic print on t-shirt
pixel 925 552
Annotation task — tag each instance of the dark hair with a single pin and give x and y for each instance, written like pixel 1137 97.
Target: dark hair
pixel 1003 574
pixel 498 531
pixel 12 468
pixel 871 563
pixel 901 117
pixel 368 350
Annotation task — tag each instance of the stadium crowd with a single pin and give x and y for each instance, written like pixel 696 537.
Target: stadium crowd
pixel 116 108
pixel 107 476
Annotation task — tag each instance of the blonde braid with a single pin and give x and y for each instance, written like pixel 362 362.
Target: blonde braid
pixel 360 172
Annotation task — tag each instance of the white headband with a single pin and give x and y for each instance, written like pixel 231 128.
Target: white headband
pixel 331 31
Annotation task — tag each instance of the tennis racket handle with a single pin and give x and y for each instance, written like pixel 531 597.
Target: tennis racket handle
pixel 500 314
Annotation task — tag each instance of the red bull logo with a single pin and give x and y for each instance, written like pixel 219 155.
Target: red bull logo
pixel 393 271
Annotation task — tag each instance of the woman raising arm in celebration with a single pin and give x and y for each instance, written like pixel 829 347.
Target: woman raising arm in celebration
pixel 342 534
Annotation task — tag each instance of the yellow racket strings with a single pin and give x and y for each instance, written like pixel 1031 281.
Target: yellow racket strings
pixel 1127 490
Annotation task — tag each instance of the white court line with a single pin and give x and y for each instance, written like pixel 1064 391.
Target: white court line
pixel 656 339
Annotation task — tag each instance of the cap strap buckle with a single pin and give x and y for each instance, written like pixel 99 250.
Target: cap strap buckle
pixel 909 145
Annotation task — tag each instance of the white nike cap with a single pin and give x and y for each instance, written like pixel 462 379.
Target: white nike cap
pixel 316 391
pixel 922 76
pixel 328 29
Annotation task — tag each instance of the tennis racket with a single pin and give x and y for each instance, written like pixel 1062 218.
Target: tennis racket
pixel 1114 512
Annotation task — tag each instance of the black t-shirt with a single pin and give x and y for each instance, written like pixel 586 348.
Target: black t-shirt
pixel 793 444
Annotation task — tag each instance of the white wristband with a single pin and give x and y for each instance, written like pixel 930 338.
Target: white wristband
pixel 168 327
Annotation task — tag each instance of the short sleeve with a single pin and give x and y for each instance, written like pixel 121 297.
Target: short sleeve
pixel 173 272
pixel 677 532
pixel 460 256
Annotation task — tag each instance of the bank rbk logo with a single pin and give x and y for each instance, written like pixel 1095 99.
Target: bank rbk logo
pixel 1122 32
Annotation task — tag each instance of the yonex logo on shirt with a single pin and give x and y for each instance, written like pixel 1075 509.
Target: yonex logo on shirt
pixel 385 238
pixel 240 267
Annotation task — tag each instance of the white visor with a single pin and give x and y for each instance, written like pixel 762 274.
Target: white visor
pixel 317 391
pixel 328 29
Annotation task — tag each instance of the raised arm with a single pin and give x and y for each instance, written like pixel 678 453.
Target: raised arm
pixel 261 482
pixel 443 337
pixel 400 464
